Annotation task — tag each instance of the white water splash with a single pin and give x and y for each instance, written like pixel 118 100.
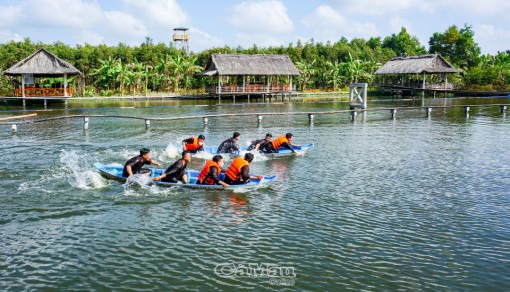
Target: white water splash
pixel 79 172
pixel 257 156
pixel 171 152
pixel 203 155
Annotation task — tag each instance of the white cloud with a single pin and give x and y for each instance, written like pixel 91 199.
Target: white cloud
pixel 266 17
pixel 61 14
pixel 203 40
pixel 8 15
pixel 491 37
pixel 396 24
pixel 160 12
pixel 478 8
pixel 325 16
pixel 124 25
pixel 381 7
pixel 328 24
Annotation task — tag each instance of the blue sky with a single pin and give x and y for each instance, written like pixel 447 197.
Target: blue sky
pixel 215 23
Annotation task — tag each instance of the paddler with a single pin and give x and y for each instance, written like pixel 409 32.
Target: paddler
pixel 279 143
pixel 239 171
pixel 193 144
pixel 230 145
pixel 135 164
pixel 261 143
pixel 211 171
pixel 176 173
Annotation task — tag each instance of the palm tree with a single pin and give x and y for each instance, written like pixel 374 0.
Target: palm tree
pixel 334 71
pixel 307 72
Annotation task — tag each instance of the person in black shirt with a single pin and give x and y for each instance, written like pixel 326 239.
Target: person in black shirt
pixel 135 164
pixel 261 143
pixel 230 145
pixel 176 173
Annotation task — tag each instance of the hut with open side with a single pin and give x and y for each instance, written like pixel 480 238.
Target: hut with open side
pixel 42 63
pixel 240 74
pixel 418 65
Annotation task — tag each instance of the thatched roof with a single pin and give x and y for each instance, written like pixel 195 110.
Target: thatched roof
pixel 239 64
pixel 431 64
pixel 42 63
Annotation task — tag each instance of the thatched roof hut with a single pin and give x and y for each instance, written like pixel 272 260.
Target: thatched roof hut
pixel 254 65
pixel 259 69
pixel 426 64
pixel 42 63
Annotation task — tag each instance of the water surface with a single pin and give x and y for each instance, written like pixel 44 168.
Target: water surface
pixel 413 203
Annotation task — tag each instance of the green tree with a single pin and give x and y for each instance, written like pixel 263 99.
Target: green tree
pixel 457 46
pixel 403 43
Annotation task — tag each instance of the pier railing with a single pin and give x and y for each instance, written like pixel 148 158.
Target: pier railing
pixel 251 88
pixel 428 85
pixel 38 92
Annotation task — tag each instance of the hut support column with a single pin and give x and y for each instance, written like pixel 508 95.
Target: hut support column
pixel 291 89
pixel 423 85
pixel 219 84
pixel 65 84
pixel 267 87
pixel 244 83
pixel 23 85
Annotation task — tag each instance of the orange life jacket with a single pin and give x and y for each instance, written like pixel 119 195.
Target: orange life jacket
pixel 234 171
pixel 205 171
pixel 194 146
pixel 278 142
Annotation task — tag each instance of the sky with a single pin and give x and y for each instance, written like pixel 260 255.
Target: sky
pixel 216 23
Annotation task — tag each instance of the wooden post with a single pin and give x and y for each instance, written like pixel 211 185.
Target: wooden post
pixel 147 123
pixel 423 86
pixel 259 119
pixel 23 87
pixel 310 118
pixel 428 110
pixel 267 86
pixel 244 85
pixel 65 84
pixel 45 103
pixel 206 120
pixel 466 110
pixel 393 112
pixel 85 123
pixel 502 108
pixel 219 84
pixel 290 85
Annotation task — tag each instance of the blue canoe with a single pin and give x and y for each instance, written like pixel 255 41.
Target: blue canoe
pixel 115 172
pixel 280 153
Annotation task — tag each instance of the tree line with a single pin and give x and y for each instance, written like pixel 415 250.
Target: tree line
pixel 151 67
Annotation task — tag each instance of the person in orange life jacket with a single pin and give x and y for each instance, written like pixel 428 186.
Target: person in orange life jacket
pixel 211 171
pixel 176 173
pixel 280 142
pixel 239 171
pixel 260 144
pixel 230 145
pixel 135 164
pixel 193 144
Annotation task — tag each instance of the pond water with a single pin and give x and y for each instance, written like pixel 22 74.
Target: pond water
pixel 412 203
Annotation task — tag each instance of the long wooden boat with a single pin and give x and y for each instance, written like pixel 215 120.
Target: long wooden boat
pixel 282 152
pixel 115 172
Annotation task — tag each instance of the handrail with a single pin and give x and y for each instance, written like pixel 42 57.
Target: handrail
pixel 246 114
